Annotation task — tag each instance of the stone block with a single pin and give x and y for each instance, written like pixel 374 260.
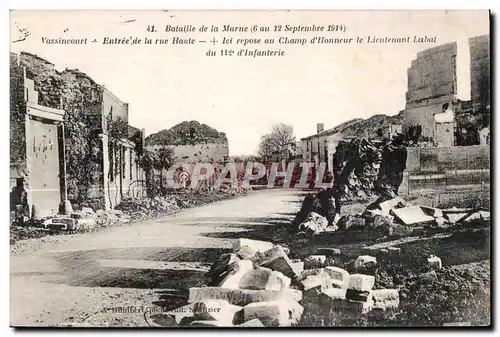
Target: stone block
pixel 256 245
pixel 264 279
pixel 352 222
pixel 277 259
pixel 320 281
pixel 236 272
pixel 412 215
pixel 60 222
pixel 385 299
pixel 246 252
pixel 274 313
pixel 337 273
pixel 294 294
pixel 239 297
pixel 313 224
pixel 434 262
pixel 361 282
pixel 365 261
pixel 253 323
pixel 396 202
pixel 215 310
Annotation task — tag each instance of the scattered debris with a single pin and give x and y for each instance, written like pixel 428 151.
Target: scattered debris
pixel 434 262
pixel 394 217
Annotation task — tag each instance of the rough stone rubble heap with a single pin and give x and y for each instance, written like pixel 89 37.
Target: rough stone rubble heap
pixel 258 285
pixel 394 217
pixel 366 157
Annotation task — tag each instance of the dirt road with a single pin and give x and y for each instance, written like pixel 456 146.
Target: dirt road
pixel 111 278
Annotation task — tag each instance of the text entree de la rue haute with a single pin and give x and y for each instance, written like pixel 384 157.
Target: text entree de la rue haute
pixel 291 37
pixel 135 40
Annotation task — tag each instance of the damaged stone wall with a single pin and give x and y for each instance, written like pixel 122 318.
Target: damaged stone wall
pixel 480 71
pixel 473 117
pixel 79 96
pixel 432 84
pixel 17 121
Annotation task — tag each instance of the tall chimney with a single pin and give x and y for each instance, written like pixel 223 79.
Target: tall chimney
pixel 320 127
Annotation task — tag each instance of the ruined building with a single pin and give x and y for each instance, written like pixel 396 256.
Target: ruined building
pixel 434 114
pixel 37 145
pixel 432 87
pixel 192 142
pixel 321 147
pixel 101 149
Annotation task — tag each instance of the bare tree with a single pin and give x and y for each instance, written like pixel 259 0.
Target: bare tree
pixel 278 144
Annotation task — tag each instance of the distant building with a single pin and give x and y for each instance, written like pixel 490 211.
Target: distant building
pixel 390 130
pixel 207 153
pixel 321 146
pixel 296 151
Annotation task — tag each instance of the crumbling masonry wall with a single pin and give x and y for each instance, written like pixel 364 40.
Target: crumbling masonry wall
pixel 80 97
pixel 17 121
pixel 431 84
pixel 480 71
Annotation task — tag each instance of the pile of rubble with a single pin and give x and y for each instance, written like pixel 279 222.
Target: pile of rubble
pixel 139 209
pixel 395 217
pixel 85 220
pixel 250 287
pixel 258 285
pixel 365 158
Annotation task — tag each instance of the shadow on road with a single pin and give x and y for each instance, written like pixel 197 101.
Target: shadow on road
pixel 84 269
pixel 275 229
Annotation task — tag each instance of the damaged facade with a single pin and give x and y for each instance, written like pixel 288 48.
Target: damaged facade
pixel 451 135
pixel 434 115
pixel 83 108
pixel 37 147
pixel 432 88
pixel 321 147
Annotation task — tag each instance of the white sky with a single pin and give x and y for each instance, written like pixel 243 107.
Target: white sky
pixel 243 97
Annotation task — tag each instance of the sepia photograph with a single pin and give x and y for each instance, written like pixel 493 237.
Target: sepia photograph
pixel 250 169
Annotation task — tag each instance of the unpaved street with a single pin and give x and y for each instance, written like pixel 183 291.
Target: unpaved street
pixel 90 278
